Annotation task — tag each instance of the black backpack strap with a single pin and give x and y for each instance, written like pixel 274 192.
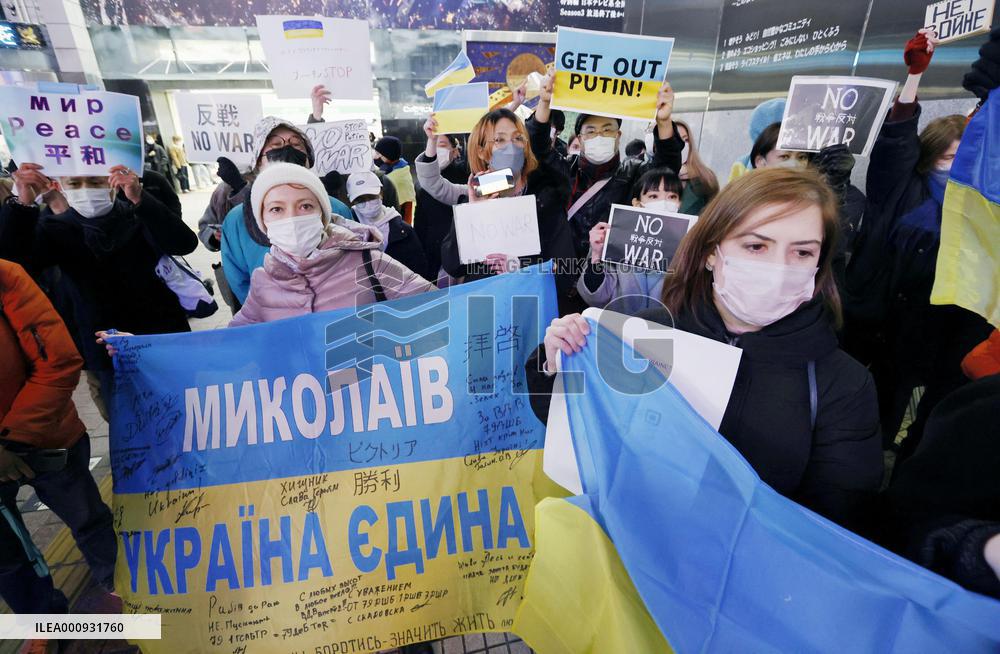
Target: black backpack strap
pixel 366 258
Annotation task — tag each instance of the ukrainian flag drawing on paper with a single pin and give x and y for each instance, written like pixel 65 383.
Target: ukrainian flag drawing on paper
pixel 459 71
pixel 609 74
pixel 458 108
pixel 349 481
pixel 302 29
pixel 968 262
pixel 677 543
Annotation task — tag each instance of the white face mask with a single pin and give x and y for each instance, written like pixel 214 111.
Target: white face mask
pixel 760 293
pixel 369 210
pixel 443 157
pixel 670 206
pixel 299 236
pixel 649 140
pixel 943 167
pixel 600 149
pixel 89 202
pixel 791 163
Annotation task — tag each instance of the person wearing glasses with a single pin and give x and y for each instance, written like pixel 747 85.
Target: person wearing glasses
pixel 243 243
pixel 499 141
pixel 599 176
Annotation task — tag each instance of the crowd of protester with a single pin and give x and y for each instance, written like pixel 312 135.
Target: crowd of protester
pixel 824 288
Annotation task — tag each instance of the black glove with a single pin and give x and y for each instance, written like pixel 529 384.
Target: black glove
pixel 985 73
pixel 334 183
pixel 835 162
pixel 230 174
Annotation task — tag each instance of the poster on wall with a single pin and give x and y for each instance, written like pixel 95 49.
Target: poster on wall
pixel 303 51
pixel 70 130
pixel 825 111
pixel 504 60
pixel 217 125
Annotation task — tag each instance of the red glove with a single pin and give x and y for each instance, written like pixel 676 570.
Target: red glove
pixel 916 55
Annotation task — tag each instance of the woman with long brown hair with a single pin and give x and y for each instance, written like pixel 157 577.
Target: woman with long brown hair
pixel 755 272
pixel 700 183
pixel 499 141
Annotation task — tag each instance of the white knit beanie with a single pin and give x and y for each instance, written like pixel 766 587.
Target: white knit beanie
pixel 276 174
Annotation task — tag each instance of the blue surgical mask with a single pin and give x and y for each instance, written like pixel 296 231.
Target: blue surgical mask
pixel 509 156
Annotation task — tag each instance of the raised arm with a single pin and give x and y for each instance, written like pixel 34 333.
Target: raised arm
pixel 429 173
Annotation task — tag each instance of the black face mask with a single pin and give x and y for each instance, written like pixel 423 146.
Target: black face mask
pixel 288 154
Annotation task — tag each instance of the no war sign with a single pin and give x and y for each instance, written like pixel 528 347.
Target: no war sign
pixel 71 131
pixel 824 111
pixel 640 239
pixel 608 74
pixel 218 125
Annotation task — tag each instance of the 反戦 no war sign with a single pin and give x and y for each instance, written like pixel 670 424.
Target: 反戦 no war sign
pixel 825 111
pixel 641 239
pixel 218 125
pixel 70 130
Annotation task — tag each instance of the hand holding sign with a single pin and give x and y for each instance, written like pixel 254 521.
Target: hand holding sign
pixel 567 335
pixel 919 50
pixel 664 111
pixel 30 183
pixel 128 182
pixel 320 98
pixel 597 236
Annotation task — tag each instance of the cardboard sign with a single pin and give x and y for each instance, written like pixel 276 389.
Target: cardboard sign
pixel 824 111
pixel 457 109
pixel 957 19
pixel 341 145
pixel 303 51
pixel 506 225
pixel 643 239
pixel 217 125
pixel 72 131
pixel 606 74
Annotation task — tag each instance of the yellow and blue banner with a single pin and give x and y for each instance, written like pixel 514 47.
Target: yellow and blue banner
pixel 348 481
pixel 715 559
pixel 457 109
pixel 301 28
pixel 968 261
pixel 459 71
pixel 606 74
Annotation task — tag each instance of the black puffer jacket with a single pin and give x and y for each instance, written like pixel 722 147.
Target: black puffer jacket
pixel 831 463
pixel 405 247
pixel 433 219
pixel 116 288
pixel 666 154
pixel 550 189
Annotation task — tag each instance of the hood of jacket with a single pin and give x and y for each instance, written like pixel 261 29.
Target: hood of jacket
pixel 268 124
pixel 804 335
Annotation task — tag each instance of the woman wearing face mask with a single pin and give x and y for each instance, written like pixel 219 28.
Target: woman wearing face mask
pixel 498 141
pixel 700 183
pixel 107 244
pixel 604 285
pixel 755 272
pixel 399 240
pixel 314 260
pixel 765 152
pixel 244 245
pixel 432 219
pixel 889 318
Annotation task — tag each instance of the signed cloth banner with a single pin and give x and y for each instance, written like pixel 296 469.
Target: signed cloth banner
pixel 71 130
pixel 347 481
pixel 341 145
pixel 217 125
pixel 824 111
pixel 303 51
pixel 607 74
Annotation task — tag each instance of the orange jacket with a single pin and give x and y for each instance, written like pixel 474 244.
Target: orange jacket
pixel 39 366
pixel 984 359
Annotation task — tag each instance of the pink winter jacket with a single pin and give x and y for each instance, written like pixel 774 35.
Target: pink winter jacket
pixel 332 278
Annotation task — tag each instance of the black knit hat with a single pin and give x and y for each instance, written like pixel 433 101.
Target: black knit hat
pixel 389 147
pixel 583 117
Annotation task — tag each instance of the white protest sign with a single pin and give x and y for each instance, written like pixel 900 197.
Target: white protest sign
pixel 342 146
pixel 71 131
pixel 823 111
pixel 702 370
pixel 303 51
pixel 504 225
pixel 217 125
pixel 957 19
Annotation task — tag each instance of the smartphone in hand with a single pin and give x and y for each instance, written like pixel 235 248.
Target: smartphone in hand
pixel 493 182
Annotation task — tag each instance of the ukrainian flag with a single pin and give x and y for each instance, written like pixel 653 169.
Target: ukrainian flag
pixel 459 71
pixel 968 263
pixel 458 108
pixel 676 542
pixel 302 29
